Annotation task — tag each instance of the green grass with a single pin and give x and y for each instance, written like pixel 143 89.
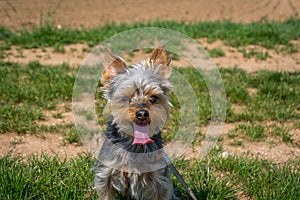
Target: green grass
pixel 266 33
pixel 258 55
pixel 216 53
pixel 275 100
pixel 25 91
pixel 28 90
pixel 261 179
pixel 53 178
pixel 283 132
pixel 59 48
pixel 46 178
pixel 254 132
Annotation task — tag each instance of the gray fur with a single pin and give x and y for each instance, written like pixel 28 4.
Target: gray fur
pixel 134 171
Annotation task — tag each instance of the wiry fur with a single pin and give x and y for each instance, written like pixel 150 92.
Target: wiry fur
pixel 145 86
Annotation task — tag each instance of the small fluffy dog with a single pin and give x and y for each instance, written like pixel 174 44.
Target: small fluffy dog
pixel 131 162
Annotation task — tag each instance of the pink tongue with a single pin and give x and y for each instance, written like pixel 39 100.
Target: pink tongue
pixel 141 135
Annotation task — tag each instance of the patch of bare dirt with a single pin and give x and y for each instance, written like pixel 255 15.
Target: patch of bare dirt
pixel 75 54
pixel 274 60
pixel 61 115
pixel 43 143
pixel 269 149
pixel 47 144
pixel 16 14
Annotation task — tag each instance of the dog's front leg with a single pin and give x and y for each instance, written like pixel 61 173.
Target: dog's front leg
pixel 102 183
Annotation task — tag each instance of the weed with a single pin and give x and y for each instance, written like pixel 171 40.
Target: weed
pixel 232 134
pixel 254 132
pixel 2 54
pixel 72 135
pixel 283 132
pixel 236 143
pixel 216 53
pixel 59 48
pixel 147 50
pixel 58 115
pixel 258 55
pixel 67 108
pixel 4 46
pixel 19 52
pixel 174 56
pixel 297 124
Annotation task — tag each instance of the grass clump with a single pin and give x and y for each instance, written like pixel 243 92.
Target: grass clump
pixel 267 33
pixel 27 90
pixel 213 177
pixel 35 84
pixel 46 178
pixel 283 132
pixel 258 55
pixel 216 53
pixel 253 131
pixel 261 179
pixel 19 118
pixel 59 48
pixel 274 99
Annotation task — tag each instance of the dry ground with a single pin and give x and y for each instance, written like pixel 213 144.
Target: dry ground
pixel 17 14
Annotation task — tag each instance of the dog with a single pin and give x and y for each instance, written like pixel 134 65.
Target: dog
pixel 130 164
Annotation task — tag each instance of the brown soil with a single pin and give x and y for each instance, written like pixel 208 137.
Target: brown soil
pixel 271 148
pixel 18 14
pixel 47 144
pixel 74 55
pixel 74 13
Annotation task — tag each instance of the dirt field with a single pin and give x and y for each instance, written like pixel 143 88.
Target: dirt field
pixel 18 14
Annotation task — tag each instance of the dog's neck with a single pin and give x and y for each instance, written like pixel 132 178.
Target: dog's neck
pixel 125 142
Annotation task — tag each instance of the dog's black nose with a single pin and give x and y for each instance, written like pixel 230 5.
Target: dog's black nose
pixel 142 115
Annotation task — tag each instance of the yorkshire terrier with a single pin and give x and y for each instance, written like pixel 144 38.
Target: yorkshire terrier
pixel 130 163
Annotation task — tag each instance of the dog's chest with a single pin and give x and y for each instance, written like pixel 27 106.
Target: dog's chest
pixel 137 184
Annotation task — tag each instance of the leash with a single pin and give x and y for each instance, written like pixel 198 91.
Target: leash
pixel 179 177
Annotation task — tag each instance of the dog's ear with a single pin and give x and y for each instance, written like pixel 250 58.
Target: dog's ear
pixel 161 60
pixel 113 65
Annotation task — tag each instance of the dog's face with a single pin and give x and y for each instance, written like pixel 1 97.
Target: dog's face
pixel 138 101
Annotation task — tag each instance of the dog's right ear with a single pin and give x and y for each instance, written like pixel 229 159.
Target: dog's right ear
pixel 161 60
pixel 113 65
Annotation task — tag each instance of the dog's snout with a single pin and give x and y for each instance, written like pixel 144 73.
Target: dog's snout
pixel 142 115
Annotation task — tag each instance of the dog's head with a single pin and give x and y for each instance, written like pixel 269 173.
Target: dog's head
pixel 138 101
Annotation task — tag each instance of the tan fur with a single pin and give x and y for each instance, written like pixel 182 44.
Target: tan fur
pixel 114 65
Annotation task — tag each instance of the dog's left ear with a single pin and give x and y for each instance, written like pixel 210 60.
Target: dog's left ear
pixel 113 65
pixel 161 60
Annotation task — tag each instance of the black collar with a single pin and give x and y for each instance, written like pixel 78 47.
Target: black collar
pixel 125 142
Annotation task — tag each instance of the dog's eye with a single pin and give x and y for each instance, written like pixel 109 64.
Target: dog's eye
pixel 153 99
pixel 126 100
